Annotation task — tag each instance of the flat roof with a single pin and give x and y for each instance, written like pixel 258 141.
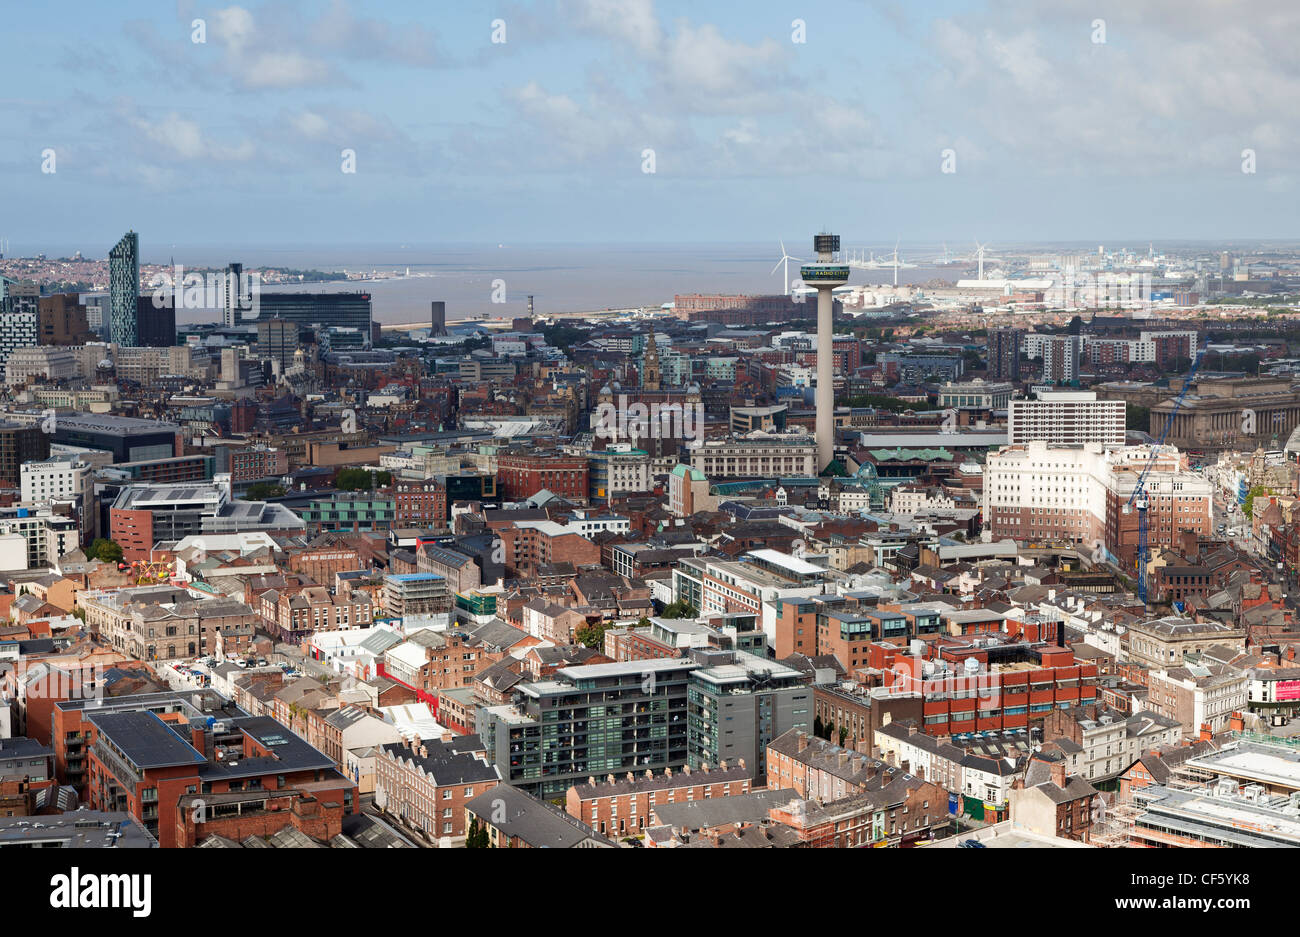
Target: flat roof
pixel 146 739
pixel 786 561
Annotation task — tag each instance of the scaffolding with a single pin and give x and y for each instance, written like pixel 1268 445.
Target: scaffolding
pixel 1116 831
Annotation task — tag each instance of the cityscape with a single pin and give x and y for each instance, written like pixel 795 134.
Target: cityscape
pixel 982 534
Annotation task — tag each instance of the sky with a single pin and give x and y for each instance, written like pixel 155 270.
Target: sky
pixel 760 119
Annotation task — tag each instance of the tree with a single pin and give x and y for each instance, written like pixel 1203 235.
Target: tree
pixel 679 609
pixel 383 479
pixel 260 491
pixel 107 550
pixel 592 635
pixel 1250 497
pixel 353 479
pixel 819 729
pixel 1137 418
pixel 476 837
pixel 844 733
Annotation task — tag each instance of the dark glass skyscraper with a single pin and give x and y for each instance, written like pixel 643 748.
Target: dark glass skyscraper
pixel 155 323
pixel 124 289
pixel 336 310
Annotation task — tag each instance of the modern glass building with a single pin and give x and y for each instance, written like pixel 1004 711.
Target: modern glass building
pixel 124 289
pixel 590 721
pixel 737 704
pixel 326 310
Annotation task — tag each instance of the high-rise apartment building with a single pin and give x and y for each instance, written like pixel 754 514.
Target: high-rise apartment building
pixel 1064 417
pixel 19 444
pixel 439 318
pixel 1003 351
pixel 18 316
pixel 124 289
pixel 1061 358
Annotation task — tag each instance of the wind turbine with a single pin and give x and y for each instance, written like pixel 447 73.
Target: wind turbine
pixel 979 253
pixel 785 259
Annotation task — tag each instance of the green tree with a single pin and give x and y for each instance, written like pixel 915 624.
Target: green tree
pixel 383 479
pixel 1250 497
pixel 1137 418
pixel 819 728
pixel 260 491
pixel 107 550
pixel 353 479
pixel 679 609
pixel 844 733
pixel 879 401
pixel 592 635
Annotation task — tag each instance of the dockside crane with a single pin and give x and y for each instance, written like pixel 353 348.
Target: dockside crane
pixel 1138 500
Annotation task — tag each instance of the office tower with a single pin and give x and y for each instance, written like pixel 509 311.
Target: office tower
pixel 1061 359
pixel 1002 348
pixel 277 340
pixel 124 289
pixel 327 310
pixel 155 322
pixel 439 320
pixel 233 300
pixel 18 316
pixel 825 274
pixel 61 320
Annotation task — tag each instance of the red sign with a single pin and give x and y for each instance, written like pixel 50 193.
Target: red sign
pixel 1287 690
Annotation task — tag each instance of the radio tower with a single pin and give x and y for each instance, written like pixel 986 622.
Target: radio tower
pixel 824 274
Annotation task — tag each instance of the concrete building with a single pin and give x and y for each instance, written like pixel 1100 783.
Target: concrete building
pixel 756 455
pixel 1066 417
pixel 1078 493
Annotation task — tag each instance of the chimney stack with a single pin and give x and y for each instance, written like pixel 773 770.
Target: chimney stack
pixel 1058 773
pixel 803 741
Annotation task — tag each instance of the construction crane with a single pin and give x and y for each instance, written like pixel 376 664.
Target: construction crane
pixel 1138 499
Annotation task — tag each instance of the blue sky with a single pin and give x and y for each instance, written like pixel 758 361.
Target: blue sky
pixel 540 139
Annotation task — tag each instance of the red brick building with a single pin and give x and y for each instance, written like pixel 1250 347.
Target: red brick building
pixel 146 764
pixel 420 504
pixel 521 475
pixel 621 806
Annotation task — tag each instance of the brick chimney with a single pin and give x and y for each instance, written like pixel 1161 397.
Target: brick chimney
pixel 1058 773
pixel 1206 733
pixel 1236 722
pixel 803 741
